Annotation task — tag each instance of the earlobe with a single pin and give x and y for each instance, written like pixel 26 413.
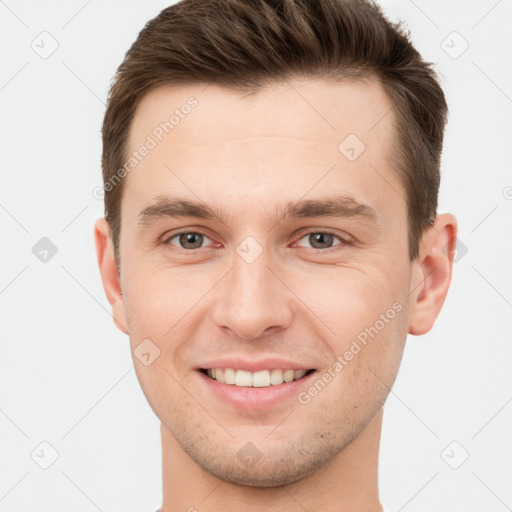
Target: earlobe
pixel 433 271
pixel 109 273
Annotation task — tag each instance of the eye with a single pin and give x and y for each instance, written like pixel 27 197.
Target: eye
pixel 323 239
pixel 319 240
pixel 188 240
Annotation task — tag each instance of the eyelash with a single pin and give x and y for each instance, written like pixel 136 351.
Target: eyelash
pixel 344 241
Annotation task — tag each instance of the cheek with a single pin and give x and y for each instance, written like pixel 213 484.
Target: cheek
pixel 348 300
pixel 155 302
pixel 369 360
pixel 156 299
pixel 366 318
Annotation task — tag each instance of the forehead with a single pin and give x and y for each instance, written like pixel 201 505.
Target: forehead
pixel 284 137
pixel 300 108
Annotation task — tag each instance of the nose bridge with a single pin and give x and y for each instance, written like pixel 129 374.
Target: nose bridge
pixel 251 298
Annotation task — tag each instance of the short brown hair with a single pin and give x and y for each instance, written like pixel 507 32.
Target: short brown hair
pixel 245 44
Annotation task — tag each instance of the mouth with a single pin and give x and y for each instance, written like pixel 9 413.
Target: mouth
pixel 255 391
pixel 259 379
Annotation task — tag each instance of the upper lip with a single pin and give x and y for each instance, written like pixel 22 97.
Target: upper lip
pixel 252 365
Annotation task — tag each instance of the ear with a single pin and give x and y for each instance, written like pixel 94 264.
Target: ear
pixel 109 273
pixel 432 273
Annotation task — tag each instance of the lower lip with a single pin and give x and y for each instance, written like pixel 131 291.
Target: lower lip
pixel 245 397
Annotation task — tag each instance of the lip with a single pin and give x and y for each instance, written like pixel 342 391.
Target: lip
pixel 239 363
pixel 247 398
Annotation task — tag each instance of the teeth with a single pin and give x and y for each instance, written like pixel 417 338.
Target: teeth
pixel 276 377
pixel 243 378
pixel 229 375
pixel 261 379
pixel 288 375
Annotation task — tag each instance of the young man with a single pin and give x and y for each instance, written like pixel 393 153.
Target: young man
pixel 271 173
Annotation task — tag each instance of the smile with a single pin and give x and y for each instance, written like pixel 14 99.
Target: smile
pixel 259 379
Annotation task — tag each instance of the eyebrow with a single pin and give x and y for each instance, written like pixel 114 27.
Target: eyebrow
pixel 340 206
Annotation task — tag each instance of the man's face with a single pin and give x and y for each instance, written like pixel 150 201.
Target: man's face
pixel 255 286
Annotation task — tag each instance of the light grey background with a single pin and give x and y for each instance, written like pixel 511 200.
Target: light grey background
pixel 67 378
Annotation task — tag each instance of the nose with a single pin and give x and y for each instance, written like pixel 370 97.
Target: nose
pixel 253 298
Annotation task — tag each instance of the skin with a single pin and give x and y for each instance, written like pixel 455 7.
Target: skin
pixel 247 154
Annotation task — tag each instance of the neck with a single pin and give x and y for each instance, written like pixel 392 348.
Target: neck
pixel 347 482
